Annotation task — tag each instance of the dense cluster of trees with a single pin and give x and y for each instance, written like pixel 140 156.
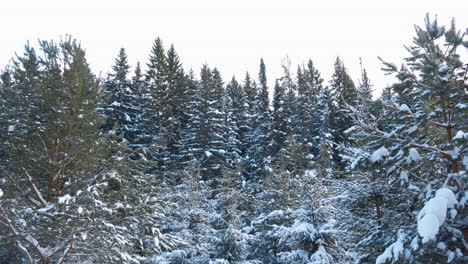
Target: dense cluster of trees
pixel 160 165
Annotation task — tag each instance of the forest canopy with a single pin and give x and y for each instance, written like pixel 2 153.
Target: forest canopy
pixel 162 164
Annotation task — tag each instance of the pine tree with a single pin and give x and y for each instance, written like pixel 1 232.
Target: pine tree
pixel 284 105
pixel 250 92
pixel 324 138
pixel 309 83
pixel 344 94
pixel 259 151
pixel 364 88
pixel 19 89
pixel 291 99
pixel 143 137
pixel 137 78
pixel 192 143
pixel 233 242
pixel 215 151
pixel 55 142
pixel 280 119
pixel 156 89
pixel 416 154
pixel 122 109
pixel 262 94
pixel 236 121
pixel 205 135
pixel 294 227
pixel 121 67
pixel 172 111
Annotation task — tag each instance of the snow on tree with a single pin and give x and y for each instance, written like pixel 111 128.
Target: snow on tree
pixel 258 152
pixel 344 93
pixel 121 106
pixel 421 154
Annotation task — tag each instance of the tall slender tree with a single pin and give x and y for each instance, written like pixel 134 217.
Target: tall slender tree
pixel 260 149
pixel 344 94
pixel 122 109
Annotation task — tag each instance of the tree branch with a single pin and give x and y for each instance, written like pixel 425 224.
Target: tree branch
pixel 35 189
pixel 13 230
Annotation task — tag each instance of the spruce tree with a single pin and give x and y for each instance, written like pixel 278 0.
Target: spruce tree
pixel 309 88
pixel 233 242
pixel 250 92
pixel 364 87
pixel 121 67
pixel 172 110
pixel 417 156
pixel 191 140
pixel 344 94
pixel 156 88
pixel 205 135
pixel 260 149
pixel 284 105
pixel 143 138
pixel 324 138
pixel 236 121
pixel 215 152
pixel 122 109
pixel 280 119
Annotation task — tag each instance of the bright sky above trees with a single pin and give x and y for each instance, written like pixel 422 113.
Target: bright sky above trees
pixel 231 35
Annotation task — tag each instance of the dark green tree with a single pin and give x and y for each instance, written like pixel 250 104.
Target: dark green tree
pixel 260 149
pixel 344 94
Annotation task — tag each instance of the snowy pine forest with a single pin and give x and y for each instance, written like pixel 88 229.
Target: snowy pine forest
pixel 156 163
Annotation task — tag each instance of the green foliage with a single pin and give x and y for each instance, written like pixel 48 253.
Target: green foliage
pixel 412 150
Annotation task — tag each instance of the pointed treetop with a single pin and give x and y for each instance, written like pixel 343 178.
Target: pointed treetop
pixel 262 74
pixel 173 60
pixel 157 60
pixel 121 67
pixel 365 87
pixel 263 95
pixel 342 85
pixel 137 77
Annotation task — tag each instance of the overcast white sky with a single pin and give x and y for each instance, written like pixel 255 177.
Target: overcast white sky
pixel 231 35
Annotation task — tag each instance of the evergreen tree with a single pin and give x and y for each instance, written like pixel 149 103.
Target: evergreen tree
pixel 236 121
pixel 416 156
pixel 121 67
pixel 291 99
pixel 314 93
pixel 364 88
pixel 262 94
pixel 54 145
pixel 233 242
pixel 259 151
pixel 156 89
pixel 309 88
pixel 284 105
pixel 215 150
pixel 172 111
pixel 192 141
pixel 280 119
pixel 122 109
pixel 206 133
pixel 250 92
pixel 324 139
pixel 344 94
pixel 143 137
pixel 293 227
pixel 137 78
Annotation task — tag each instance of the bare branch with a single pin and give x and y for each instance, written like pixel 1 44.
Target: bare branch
pixel 15 233
pixel 67 250
pixel 35 189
